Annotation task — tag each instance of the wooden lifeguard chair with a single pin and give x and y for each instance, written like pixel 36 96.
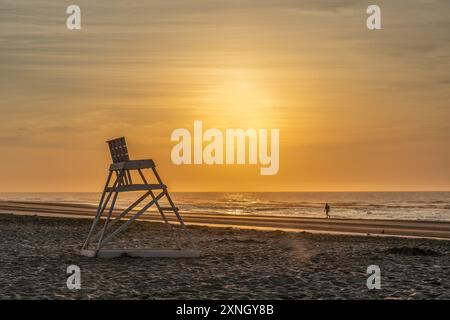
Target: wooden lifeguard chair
pixel 122 168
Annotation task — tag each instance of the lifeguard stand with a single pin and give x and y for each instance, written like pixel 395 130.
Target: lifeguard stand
pixel 120 175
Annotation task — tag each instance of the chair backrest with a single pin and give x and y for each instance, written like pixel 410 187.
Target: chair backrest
pixel 118 149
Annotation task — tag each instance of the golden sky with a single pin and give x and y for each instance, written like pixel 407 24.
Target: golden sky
pixel 357 109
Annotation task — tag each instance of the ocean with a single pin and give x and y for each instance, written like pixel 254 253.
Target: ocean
pixel 361 205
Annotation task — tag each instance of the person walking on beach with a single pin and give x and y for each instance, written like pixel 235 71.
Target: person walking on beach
pixel 327 209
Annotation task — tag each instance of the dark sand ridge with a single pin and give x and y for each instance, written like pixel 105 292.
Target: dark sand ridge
pixel 426 229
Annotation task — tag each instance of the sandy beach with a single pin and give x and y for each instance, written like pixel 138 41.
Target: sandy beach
pixel 235 264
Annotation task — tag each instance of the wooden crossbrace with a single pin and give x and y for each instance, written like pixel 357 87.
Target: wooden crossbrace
pixel 123 183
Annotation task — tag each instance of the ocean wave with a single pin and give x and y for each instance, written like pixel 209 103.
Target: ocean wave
pixel 401 205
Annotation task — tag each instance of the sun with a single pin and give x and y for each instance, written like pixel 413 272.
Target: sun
pixel 240 96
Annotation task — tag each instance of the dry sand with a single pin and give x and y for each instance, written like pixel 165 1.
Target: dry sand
pixel 236 264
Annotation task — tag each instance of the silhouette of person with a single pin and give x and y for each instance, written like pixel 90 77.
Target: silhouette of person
pixel 327 209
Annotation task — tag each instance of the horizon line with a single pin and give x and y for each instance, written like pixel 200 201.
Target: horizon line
pixel 272 191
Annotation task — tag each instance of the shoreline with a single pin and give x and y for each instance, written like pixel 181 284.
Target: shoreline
pixel 370 227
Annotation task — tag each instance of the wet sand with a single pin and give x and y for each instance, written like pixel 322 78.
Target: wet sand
pixel 235 264
pixel 403 228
